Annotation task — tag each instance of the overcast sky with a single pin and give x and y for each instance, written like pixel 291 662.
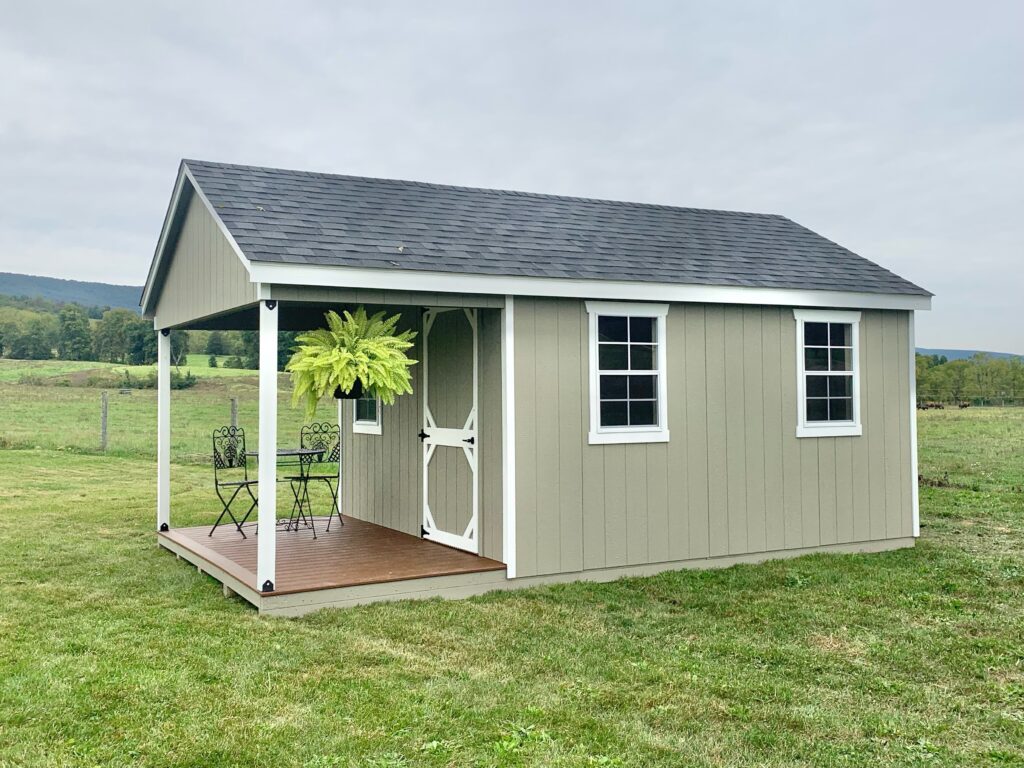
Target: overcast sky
pixel 896 129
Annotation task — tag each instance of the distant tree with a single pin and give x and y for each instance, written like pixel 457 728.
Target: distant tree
pixel 74 341
pixel 34 342
pixel 212 362
pixel 233 362
pixel 216 344
pixel 9 331
pixel 117 338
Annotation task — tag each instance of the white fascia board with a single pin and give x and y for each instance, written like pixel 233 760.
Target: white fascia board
pixel 449 282
pixel 185 174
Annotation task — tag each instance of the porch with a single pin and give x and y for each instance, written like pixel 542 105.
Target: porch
pixel 360 562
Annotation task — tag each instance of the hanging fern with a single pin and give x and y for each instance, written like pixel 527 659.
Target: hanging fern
pixel 352 348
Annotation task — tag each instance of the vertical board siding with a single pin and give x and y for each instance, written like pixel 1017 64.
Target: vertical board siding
pixel 733 478
pixel 205 276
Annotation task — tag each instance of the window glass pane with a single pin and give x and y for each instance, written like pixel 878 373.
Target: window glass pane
pixel 641 387
pixel 366 409
pixel 816 359
pixel 611 328
pixel 842 359
pixel 641 357
pixel 816 334
pixel 641 329
pixel 817 386
pixel 840 409
pixel 839 386
pixel 817 409
pixel 840 334
pixel 613 357
pixel 613 414
pixel 613 387
pixel 641 414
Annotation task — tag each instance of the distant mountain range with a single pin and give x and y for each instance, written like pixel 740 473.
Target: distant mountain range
pixel 963 354
pixel 77 291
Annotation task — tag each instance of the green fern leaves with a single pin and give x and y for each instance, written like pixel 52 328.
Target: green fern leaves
pixel 353 347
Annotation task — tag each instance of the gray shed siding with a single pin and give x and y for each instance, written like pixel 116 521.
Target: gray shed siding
pixel 383 474
pixel 205 276
pixel 734 478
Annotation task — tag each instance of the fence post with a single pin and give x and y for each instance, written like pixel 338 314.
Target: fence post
pixel 103 420
pixel 234 411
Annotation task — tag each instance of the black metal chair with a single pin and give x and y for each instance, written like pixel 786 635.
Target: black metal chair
pixel 325 437
pixel 231 474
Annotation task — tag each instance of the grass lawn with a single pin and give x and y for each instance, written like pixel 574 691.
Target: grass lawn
pixel 113 653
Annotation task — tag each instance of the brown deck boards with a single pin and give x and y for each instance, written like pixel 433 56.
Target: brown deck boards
pixel 356 553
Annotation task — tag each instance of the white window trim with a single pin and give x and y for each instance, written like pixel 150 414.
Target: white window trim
pixel 832 428
pixel 365 427
pixel 620 435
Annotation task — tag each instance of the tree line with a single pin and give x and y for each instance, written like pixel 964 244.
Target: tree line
pixel 37 329
pixel 979 380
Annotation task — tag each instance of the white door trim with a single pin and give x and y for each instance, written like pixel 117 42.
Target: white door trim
pixel 466 438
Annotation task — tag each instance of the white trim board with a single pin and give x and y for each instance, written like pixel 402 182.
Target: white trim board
pixel 450 282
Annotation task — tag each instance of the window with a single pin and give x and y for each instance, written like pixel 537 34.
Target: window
pixel 627 373
pixel 828 378
pixel 366 415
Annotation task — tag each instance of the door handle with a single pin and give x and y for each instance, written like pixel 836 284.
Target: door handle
pixel 470 440
pixel 422 435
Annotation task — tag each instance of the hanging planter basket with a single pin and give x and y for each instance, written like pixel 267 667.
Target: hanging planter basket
pixel 355 350
pixel 354 394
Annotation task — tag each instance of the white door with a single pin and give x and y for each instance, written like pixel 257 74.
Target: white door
pixel 449 433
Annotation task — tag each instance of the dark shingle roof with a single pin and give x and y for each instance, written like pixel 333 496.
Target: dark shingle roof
pixel 317 218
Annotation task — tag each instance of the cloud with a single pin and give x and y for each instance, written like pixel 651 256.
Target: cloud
pixel 894 129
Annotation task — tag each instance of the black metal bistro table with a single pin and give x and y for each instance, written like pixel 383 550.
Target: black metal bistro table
pixel 303 459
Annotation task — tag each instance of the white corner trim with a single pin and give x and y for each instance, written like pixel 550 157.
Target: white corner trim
pixel 613 290
pixel 508 437
pixel 915 502
pixel 826 428
pixel 623 435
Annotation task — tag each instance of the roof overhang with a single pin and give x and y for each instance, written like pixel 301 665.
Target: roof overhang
pixel 184 187
pixel 269 273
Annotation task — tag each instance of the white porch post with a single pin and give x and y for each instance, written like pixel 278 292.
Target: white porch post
pixel 341 431
pixel 163 430
pixel 266 548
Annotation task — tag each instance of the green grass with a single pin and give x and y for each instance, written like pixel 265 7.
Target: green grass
pixel 114 653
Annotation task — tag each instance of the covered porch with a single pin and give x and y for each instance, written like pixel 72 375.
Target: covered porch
pixel 421 494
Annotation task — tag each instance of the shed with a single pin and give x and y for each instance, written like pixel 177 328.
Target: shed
pixel 605 388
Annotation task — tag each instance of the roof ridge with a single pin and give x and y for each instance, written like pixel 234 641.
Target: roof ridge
pixel 492 190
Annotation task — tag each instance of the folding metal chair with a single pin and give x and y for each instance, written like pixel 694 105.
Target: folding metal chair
pixel 326 437
pixel 228 461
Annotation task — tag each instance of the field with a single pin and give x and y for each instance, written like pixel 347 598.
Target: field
pixel 113 653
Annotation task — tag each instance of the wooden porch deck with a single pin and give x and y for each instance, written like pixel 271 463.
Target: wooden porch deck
pixel 356 563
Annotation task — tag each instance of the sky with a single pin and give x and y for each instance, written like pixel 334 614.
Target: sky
pixel 895 129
